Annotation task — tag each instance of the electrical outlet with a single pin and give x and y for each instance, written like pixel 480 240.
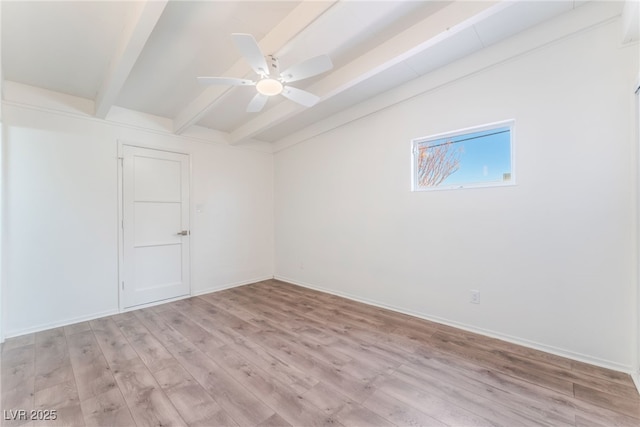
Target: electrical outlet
pixel 475 297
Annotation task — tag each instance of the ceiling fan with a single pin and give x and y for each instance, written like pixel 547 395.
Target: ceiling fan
pixel 272 81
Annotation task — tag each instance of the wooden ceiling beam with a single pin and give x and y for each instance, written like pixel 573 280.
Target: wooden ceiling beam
pixel 135 34
pixel 424 34
pixel 631 21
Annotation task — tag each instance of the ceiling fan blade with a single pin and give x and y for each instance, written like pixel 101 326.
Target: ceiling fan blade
pixel 300 96
pixel 305 69
pixel 231 81
pixel 249 48
pixel 257 103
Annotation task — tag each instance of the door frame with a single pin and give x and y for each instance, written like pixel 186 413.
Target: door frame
pixel 120 225
pixel 636 368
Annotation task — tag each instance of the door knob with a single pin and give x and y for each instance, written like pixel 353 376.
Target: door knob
pixel 183 233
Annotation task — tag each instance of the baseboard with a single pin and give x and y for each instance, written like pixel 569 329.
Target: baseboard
pixel 153 304
pixel 636 380
pixel 470 328
pixel 230 285
pixel 66 322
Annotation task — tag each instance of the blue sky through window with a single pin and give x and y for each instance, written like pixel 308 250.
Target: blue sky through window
pixel 485 156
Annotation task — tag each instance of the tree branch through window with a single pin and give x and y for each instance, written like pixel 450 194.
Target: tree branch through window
pixel 436 163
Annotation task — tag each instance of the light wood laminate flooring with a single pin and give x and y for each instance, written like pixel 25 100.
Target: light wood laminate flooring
pixel 275 354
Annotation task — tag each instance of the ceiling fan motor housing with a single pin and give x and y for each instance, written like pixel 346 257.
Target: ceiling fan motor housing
pixel 274 66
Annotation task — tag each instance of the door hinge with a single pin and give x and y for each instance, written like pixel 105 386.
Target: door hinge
pixel 123 285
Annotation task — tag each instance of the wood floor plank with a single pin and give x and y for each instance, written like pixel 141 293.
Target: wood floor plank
pixel 147 403
pixel 154 355
pixel 330 357
pixel 265 314
pixel 354 414
pixel 436 407
pixel 76 328
pixel 274 421
pixel 219 300
pixel 91 371
pixel 626 406
pixel 397 412
pixel 607 374
pixel 291 406
pixel 58 396
pixel 275 354
pixel 586 422
pixel 220 316
pixel 356 389
pixel 17 379
pixel 605 417
pixel 115 347
pixel 107 409
pixel 237 401
pixel 161 331
pixel 193 332
pixel 516 398
pixel 21 341
pixel 62 399
pixel 68 416
pixel 191 400
pixel 293 377
pixel 388 343
pixel 276 314
pixel 52 362
pixel 481 341
pixel 18 366
pixel 477 403
pixel 457 346
pixel 327 398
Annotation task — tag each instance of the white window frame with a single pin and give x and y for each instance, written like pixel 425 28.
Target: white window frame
pixel 425 139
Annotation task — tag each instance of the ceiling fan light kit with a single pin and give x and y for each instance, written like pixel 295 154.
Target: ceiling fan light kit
pixel 272 82
pixel 269 87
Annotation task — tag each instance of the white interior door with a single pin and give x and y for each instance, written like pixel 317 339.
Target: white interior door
pixel 155 204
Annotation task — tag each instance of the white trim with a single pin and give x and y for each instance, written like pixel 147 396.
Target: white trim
pixel 231 285
pixel 66 322
pixel 416 142
pixel 119 225
pixel 488 184
pixel 155 303
pixel 259 147
pixel 3 229
pixel 636 329
pixel 470 328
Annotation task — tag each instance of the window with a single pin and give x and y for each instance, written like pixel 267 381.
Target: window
pixel 475 157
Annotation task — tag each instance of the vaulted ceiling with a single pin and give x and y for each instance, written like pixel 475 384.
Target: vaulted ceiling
pixel 145 56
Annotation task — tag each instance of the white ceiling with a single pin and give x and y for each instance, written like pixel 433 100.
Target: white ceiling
pixel 146 57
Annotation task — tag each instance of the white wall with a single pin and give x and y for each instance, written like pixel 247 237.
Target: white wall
pixel 553 256
pixel 62 216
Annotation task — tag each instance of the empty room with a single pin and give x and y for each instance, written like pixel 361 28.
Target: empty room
pixel 320 212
